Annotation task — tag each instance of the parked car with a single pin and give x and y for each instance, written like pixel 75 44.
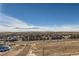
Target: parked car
pixel 4 48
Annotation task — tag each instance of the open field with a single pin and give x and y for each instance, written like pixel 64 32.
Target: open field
pixel 61 48
pixel 41 43
pixel 46 48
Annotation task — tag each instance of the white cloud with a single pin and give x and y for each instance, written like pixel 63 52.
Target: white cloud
pixel 10 24
pixel 63 28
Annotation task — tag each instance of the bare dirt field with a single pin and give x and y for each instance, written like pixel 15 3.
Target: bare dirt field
pixel 58 48
pixel 44 48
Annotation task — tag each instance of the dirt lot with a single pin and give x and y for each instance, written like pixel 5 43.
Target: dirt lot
pixel 46 48
pixel 58 48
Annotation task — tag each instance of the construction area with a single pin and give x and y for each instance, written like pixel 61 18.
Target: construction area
pixel 41 44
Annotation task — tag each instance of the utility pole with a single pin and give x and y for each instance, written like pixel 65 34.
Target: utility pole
pixel 43 46
pixel 29 42
pixel 4 39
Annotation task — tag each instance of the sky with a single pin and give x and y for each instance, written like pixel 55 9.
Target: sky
pixel 53 16
pixel 0 7
pixel 44 14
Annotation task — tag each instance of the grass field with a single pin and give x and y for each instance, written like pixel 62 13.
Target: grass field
pixel 46 48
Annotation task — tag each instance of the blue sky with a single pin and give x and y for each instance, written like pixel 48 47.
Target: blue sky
pixel 44 14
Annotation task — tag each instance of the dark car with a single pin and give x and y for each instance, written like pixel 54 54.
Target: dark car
pixel 4 48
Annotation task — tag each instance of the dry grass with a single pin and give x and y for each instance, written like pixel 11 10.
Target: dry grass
pixel 70 47
pixel 51 48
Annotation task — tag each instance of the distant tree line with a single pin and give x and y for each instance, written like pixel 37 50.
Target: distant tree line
pixel 37 36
